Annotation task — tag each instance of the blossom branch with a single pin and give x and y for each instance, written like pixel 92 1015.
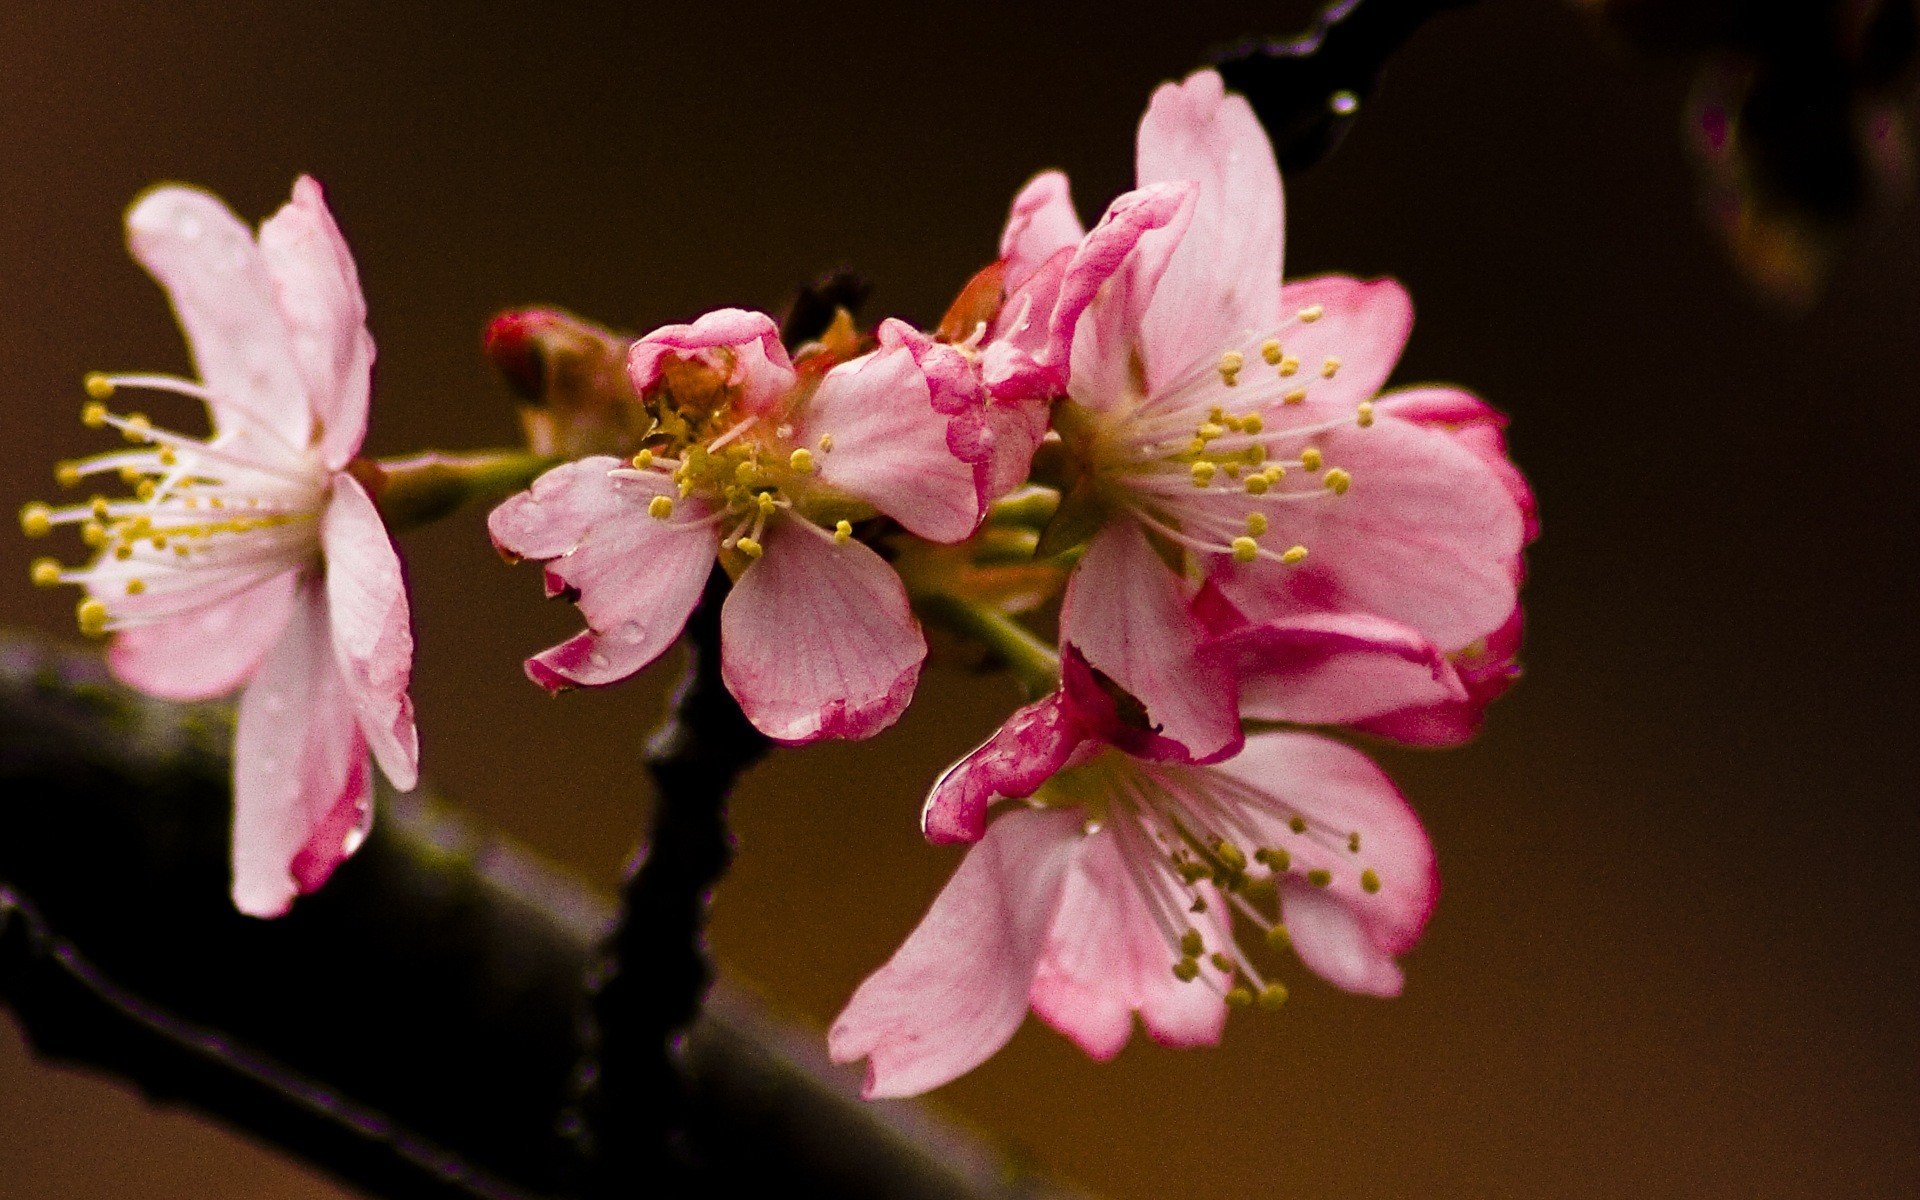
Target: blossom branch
pixel 409 1029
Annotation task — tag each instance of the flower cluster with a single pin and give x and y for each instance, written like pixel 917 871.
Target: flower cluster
pixel 1137 429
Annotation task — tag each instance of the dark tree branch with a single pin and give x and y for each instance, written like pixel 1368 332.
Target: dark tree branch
pixel 411 1027
pixel 1308 89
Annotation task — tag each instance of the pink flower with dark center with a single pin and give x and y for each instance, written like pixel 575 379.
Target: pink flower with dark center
pixel 251 558
pixel 1225 428
pixel 768 467
pixel 1133 884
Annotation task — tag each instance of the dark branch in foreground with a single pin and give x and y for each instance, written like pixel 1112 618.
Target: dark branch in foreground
pixel 412 1027
pixel 1308 89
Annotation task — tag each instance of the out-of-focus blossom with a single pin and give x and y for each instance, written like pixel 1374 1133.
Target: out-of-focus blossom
pixel 769 466
pixel 1126 885
pixel 572 374
pixel 251 558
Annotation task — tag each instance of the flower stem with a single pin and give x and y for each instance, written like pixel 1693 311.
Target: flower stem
pixel 422 488
pixel 1031 660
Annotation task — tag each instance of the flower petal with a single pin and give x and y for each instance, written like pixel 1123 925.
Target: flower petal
pixel 1362 328
pixel 759 365
pixel 1339 792
pixel 1041 225
pixel 890 445
pixel 1106 959
pixel 372 633
pixel 1335 669
pixel 635 572
pixel 956 990
pixel 1335 944
pixel 1426 535
pixel 554 515
pixel 1476 425
pixel 1128 615
pixel 224 297
pixel 1222 284
pixel 318 289
pixel 207 652
pixel 817 639
pixel 302 783
pixel 1022 754
pixel 1485 672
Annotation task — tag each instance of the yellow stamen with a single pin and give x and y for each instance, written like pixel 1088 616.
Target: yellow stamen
pixel 68 474
pixel 1310 458
pixel 1202 472
pixel 1230 364
pixel 1313 313
pixel 138 428
pixel 1294 555
pixel 801 460
pixel 643 460
pixel 660 507
pixel 1338 481
pixel 1296 396
pixel 1369 881
pixel 1365 416
pixel 1245 549
pixel 1239 997
pixel 94 534
pixel 1288 366
pixel 1257 485
pixel 826 443
pixel 1251 423
pixel 1320 877
pixel 1270 350
pixel 147 489
pixel 135 587
pixel 98 386
pixel 1191 944
pixel 750 548
pixel 1278 938
pixel 842 531
pixel 93 617
pixel 1186 970
pixel 1256 523
pixel 94 415
pixel 1298 824
pixel 1273 996
pixel 45 572
pixel 1328 368
pixel 36 519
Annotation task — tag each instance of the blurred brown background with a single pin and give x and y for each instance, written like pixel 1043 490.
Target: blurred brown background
pixel 1676 954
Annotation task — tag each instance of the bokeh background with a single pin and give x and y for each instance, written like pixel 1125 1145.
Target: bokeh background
pixel 1676 951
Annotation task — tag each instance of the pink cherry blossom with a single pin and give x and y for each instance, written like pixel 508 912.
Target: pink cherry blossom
pixel 252 559
pixel 767 466
pixel 1228 430
pixel 1126 885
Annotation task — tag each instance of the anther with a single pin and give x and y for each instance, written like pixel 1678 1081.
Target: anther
pixel 45 572
pixel 801 460
pixel 826 443
pixel 1294 555
pixel 1278 938
pixel 1203 472
pixel 643 460
pixel 660 507
pixel 1256 524
pixel 36 519
pixel 750 548
pixel 1320 877
pixel 1353 842
pixel 767 504
pixel 1329 367
pixel 1221 962
pixel 98 386
pixel 1311 459
pixel 1296 396
pixel 842 532
pixel 94 534
pixel 1230 854
pixel 93 415
pixel 68 474
pixel 147 490
pixel 1230 364
pixel 1270 350
pixel 93 617
pixel 138 428
pixel 1191 943
pixel 136 586
pixel 1257 485
pixel 1365 414
pixel 1251 423
pixel 1288 366
pixel 1298 824
pixel 1278 859
pixel 1273 996
pixel 1186 970
pixel 129 475
pixel 1313 313
pixel 1245 549
pixel 1370 881
pixel 1338 481
pixel 1239 997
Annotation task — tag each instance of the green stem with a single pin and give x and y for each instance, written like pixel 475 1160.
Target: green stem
pixel 1031 660
pixel 420 488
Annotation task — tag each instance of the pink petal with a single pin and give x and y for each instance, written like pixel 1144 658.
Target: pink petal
pixel 589 659
pixel 372 634
pixel 1363 327
pixel 1425 536
pixel 1022 754
pixel 1335 669
pixel 1485 673
pixel 760 367
pixel 1476 425
pixel 634 573
pixel 1041 225
pixel 956 990
pixel 1340 792
pixel 1335 944
pixel 1163 210
pixel 817 639
pixel 318 289
pixel 1106 959
pixel 1222 285
pixel 554 515
pixel 890 445
pixel 208 652
pixel 225 299
pixel 1128 615
pixel 302 787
